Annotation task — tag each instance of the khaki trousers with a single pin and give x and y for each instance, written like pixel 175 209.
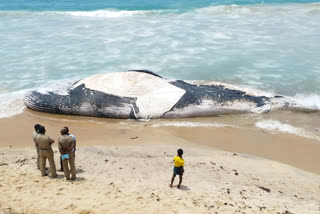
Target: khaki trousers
pixel 44 155
pixel 38 158
pixel 72 168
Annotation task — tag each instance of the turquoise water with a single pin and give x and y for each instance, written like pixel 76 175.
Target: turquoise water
pixel 268 45
pixel 85 5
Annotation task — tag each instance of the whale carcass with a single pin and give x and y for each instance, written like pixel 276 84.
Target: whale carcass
pixel 141 94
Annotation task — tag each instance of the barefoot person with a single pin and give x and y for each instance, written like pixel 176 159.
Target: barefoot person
pixel 34 135
pixel 45 151
pixel 178 167
pixel 66 146
pixel 74 148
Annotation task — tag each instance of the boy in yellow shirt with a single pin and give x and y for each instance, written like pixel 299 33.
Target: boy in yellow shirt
pixel 178 167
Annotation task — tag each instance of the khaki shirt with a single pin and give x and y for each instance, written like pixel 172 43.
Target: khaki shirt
pixel 44 141
pixel 34 135
pixel 65 142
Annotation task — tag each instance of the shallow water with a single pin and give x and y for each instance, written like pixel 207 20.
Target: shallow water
pixel 268 45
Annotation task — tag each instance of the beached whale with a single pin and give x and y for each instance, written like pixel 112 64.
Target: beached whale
pixel 141 94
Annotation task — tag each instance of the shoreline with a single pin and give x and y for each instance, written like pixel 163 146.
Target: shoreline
pixel 126 167
pixel 293 150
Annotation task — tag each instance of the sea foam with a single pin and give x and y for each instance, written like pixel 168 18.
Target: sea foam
pixel 311 8
pixel 311 101
pixel 275 126
pixel 11 103
pixel 110 13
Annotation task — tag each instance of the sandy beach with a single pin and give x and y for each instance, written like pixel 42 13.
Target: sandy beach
pixel 126 167
pixel 235 84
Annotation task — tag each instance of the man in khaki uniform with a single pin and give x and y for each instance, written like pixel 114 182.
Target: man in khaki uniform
pixel 34 135
pixel 66 145
pixel 44 143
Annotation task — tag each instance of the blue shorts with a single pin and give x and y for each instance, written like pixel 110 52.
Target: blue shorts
pixel 177 170
pixel 66 156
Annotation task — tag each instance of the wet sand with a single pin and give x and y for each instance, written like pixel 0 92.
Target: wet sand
pixel 125 166
pixel 296 151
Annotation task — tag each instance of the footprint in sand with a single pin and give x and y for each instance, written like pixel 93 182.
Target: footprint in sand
pixel 70 207
pixel 19 187
pixel 85 212
pixel 107 193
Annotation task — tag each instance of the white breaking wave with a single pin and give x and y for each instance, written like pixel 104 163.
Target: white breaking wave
pixel 11 103
pixel 105 13
pixel 276 126
pixel 61 87
pixel 191 124
pixel 226 9
pixel 311 8
pixel 261 9
pixel 311 101
pixel 114 13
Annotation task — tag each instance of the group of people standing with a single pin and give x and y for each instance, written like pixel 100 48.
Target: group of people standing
pixel 67 148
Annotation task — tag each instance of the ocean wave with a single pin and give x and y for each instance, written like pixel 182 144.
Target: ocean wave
pixel 310 8
pixel 11 103
pixel 311 101
pixel 112 13
pixel 226 9
pixel 275 126
pixel 307 8
pixel 104 13
pixel 60 87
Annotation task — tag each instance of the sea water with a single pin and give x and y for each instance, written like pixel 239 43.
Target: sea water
pixel 272 45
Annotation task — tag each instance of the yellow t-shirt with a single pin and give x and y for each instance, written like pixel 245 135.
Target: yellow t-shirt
pixel 178 162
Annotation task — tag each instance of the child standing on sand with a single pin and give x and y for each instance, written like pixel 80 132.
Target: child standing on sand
pixel 178 167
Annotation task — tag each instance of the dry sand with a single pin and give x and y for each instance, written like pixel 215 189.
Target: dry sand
pixel 134 179
pixel 127 169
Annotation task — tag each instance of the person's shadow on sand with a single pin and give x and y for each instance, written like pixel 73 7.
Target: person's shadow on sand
pixel 79 171
pixel 79 179
pixel 184 188
pixel 61 177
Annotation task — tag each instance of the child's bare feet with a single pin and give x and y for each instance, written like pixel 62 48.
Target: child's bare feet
pixel 170 185
pixel 178 186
